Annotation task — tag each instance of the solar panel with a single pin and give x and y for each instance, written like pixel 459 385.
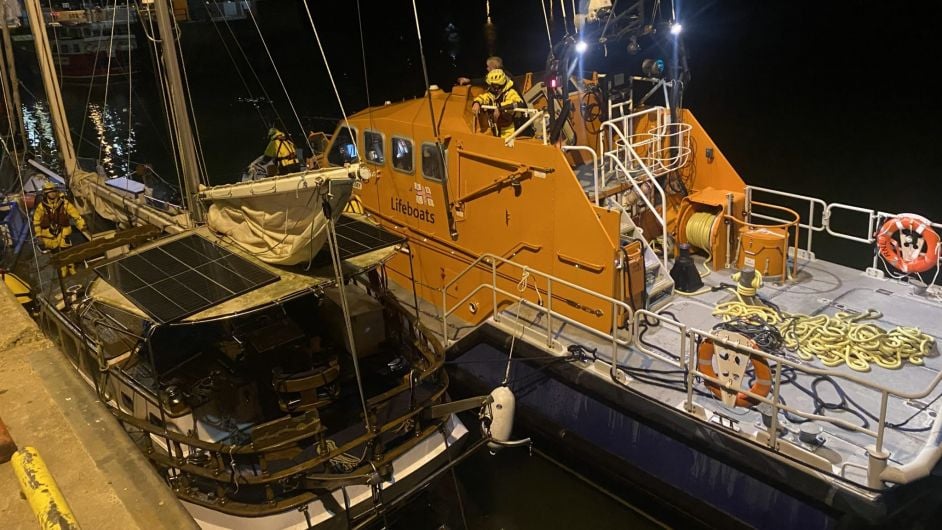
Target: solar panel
pixel 183 277
pixel 356 237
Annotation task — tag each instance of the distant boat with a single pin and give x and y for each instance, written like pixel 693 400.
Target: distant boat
pixel 92 43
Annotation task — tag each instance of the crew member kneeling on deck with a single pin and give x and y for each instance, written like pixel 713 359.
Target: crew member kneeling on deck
pixel 502 95
pixel 281 150
pixel 52 222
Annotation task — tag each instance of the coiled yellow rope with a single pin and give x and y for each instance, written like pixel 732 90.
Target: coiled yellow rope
pixel 752 289
pixel 699 229
pixel 841 339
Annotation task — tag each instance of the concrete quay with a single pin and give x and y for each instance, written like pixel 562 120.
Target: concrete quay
pixel 45 404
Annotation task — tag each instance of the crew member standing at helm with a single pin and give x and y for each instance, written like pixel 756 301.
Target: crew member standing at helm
pixel 501 94
pixel 52 222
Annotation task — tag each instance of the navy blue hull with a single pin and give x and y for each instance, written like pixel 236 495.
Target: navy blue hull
pixel 706 472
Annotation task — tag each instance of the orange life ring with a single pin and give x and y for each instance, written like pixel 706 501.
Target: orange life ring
pixel 763 375
pixel 889 248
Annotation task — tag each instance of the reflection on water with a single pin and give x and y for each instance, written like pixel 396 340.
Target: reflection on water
pixel 101 133
pixel 116 140
pixel 39 133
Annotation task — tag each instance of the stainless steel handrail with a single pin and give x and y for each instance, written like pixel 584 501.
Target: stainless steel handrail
pixel 595 166
pixel 493 260
pixel 661 217
pixel 827 209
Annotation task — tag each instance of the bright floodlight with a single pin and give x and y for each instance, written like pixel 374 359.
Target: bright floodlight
pixel 581 46
pixel 676 28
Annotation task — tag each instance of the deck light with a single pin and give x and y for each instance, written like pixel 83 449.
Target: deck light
pixel 581 46
pixel 676 28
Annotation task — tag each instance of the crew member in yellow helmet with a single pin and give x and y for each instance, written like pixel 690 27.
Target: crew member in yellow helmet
pixel 281 150
pixel 52 222
pixel 501 94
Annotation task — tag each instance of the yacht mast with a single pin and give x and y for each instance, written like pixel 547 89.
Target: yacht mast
pixel 60 123
pixel 11 72
pixel 184 132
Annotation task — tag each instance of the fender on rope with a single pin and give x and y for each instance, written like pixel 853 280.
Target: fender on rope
pixel 763 375
pixel 906 255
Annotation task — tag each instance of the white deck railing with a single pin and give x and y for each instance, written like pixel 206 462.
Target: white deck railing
pixel 873 219
pixel 878 467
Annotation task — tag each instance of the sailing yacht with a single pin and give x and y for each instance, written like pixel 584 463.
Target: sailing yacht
pixel 675 328
pixel 269 377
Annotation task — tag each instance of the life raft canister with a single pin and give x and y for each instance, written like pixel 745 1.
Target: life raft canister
pixel 904 255
pixel 763 375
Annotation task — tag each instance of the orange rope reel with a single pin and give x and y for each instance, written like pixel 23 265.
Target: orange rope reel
pixel 908 254
pixel 763 375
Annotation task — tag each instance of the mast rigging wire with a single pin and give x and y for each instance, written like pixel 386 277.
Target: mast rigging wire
pixel 366 79
pixel 238 70
pixel 334 247
pixel 29 222
pixel 258 80
pixel 104 104
pixel 8 99
pixel 130 69
pixel 55 39
pixel 277 72
pixel 88 97
pixel 200 157
pixel 549 35
pixel 428 91
pixel 330 74
pixel 161 76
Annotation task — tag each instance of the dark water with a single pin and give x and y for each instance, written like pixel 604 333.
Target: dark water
pixel 818 98
pixel 514 490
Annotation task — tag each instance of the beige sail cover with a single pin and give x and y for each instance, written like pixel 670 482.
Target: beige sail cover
pixel 92 194
pixel 283 228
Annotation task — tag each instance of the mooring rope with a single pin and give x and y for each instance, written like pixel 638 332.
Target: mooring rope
pixel 841 339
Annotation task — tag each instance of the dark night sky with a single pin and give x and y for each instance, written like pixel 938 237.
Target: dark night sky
pixel 830 99
pixel 826 98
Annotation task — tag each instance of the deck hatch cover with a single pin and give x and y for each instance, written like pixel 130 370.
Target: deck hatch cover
pixel 183 277
pixel 354 237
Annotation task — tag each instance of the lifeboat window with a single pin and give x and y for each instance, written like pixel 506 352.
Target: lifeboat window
pixel 431 162
pixel 373 142
pixel 344 150
pixel 403 158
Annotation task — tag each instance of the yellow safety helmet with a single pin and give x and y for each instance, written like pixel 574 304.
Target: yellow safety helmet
pixel 496 77
pixel 48 189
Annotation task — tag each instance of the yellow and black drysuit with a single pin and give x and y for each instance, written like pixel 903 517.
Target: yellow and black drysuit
pixel 282 151
pixel 501 94
pixel 52 222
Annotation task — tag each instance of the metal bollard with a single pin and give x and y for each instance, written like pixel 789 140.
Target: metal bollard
pixel 41 491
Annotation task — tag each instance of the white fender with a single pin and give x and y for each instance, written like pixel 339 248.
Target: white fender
pixel 501 414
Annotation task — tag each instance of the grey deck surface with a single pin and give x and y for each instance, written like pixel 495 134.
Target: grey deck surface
pixel 819 287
